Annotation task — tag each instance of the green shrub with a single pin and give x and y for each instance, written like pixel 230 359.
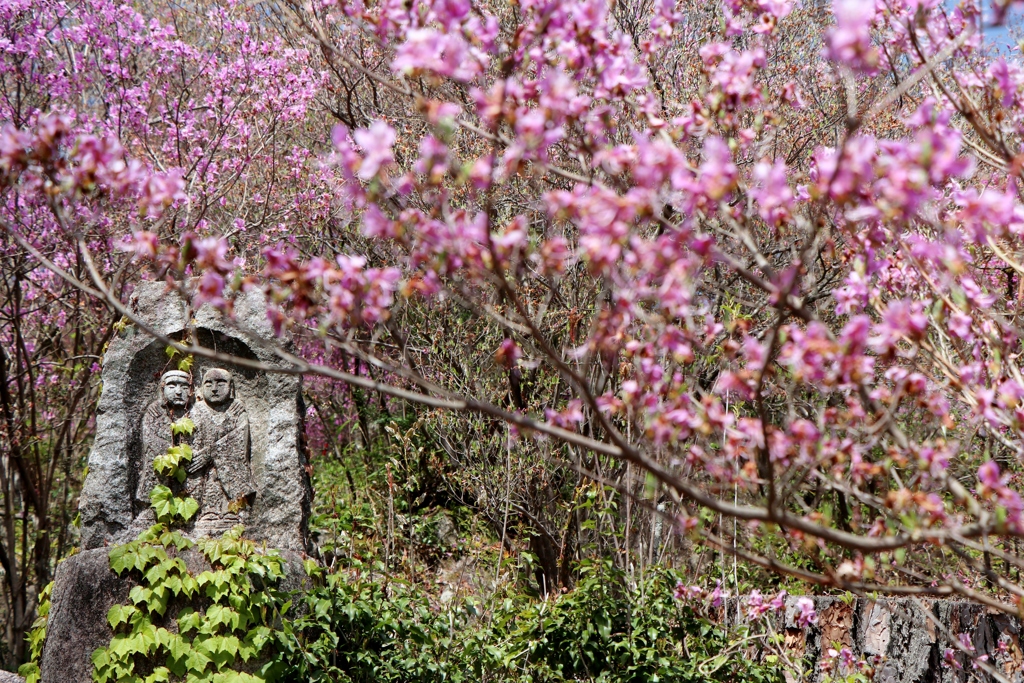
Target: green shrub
pixel 605 630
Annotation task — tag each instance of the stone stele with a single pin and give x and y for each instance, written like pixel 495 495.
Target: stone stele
pixel 249 464
pixel 254 434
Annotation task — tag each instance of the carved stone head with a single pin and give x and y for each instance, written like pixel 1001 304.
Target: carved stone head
pixel 175 388
pixel 218 387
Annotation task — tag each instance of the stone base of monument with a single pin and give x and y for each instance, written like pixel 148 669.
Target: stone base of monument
pixel 84 590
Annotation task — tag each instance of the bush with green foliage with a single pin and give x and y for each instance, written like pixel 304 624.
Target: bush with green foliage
pixel 377 630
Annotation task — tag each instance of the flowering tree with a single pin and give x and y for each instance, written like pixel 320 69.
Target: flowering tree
pixel 764 253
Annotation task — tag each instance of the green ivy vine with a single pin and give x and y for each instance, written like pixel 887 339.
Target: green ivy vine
pixel 228 620
pixel 36 637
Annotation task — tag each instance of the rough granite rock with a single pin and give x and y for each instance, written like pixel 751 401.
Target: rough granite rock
pixel 907 637
pixel 84 590
pixel 132 367
pixel 8 677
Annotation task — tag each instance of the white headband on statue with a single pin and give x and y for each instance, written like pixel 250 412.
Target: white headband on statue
pixel 175 374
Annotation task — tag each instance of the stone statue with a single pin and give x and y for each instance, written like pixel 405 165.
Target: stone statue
pixel 248 436
pixel 171 405
pixel 219 476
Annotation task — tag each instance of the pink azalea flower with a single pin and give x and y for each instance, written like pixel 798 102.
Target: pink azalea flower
pixel 376 143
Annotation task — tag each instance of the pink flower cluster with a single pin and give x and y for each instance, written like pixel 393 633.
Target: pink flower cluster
pixel 47 156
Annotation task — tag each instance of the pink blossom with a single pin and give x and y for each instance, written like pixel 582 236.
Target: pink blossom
pixel 989 478
pixel 161 191
pixel 805 613
pixel 849 43
pixel 376 143
pixel 900 319
pixel 684 592
pixel 774 197
pixel 211 253
pixel 508 353
pixel 718 596
pixel 446 54
pixel 718 172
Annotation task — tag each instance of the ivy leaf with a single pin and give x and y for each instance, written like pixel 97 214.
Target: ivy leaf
pixel 159 675
pixel 173 584
pixel 158 572
pixel 148 555
pixel 258 637
pixel 160 596
pixel 169 538
pixel 121 646
pixel 169 464
pixel 185 364
pixel 230 645
pixel 162 501
pixel 140 595
pixel 196 661
pixel 177 646
pixel 164 637
pixel 184 425
pixel 145 637
pixel 187 508
pixel 189 586
pixel 120 614
pixel 100 660
pixel 189 620
pixel 122 557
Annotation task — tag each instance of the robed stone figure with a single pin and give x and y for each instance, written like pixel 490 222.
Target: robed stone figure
pixel 171 405
pixel 219 476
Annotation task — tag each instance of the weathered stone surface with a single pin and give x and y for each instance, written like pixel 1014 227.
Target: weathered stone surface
pixel 84 590
pixel 132 368
pixel 8 677
pixel 908 638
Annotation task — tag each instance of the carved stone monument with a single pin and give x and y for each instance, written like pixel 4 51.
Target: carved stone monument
pixel 248 462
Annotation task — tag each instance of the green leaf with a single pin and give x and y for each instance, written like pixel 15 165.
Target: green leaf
pixel 120 614
pixel 140 595
pixel 30 672
pixel 122 557
pixel 121 646
pixel 182 451
pixel 160 675
pixel 169 464
pixel 162 500
pixel 158 572
pixel 189 620
pixel 187 509
pixel 184 425
pixel 196 661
